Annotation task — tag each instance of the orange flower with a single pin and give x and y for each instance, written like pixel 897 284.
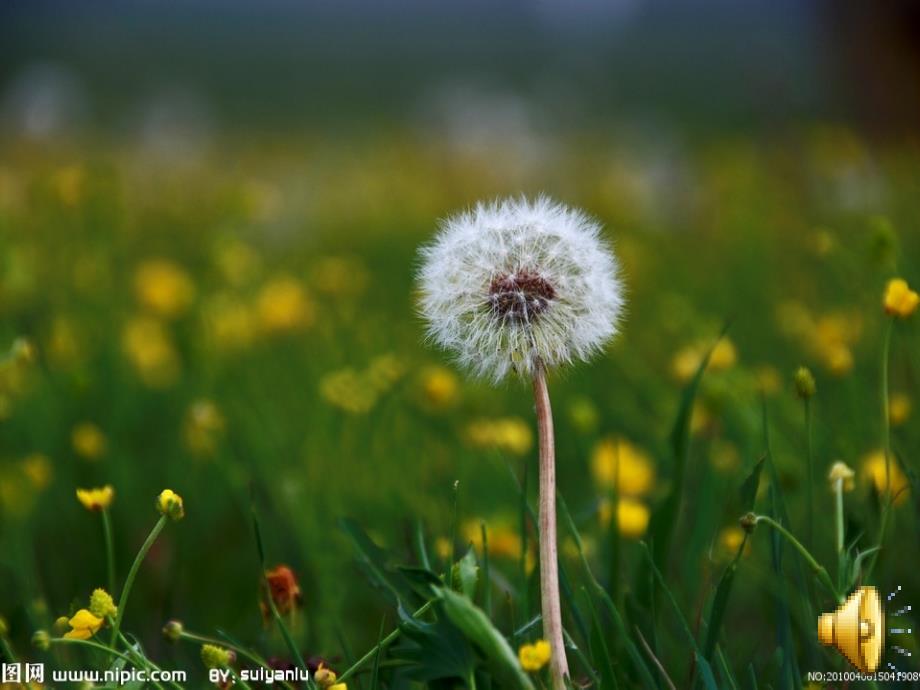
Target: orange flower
pixel 284 589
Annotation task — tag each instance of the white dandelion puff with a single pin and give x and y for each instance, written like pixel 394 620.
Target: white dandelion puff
pixel 516 284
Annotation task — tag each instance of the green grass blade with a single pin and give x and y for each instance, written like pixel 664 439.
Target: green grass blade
pixel 723 589
pixel 600 653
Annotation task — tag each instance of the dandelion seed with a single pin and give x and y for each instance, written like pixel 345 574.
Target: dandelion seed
pixel 513 284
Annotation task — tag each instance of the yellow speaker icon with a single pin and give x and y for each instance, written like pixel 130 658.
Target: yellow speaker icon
pixel 856 629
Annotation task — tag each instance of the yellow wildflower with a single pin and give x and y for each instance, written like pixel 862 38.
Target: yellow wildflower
pixel 283 305
pixel 384 371
pixel 724 456
pixel 348 390
pixel 83 625
pixel 440 387
pixel 768 378
pixel 163 287
pixel 509 434
pixel 339 686
pixel 324 677
pixel 840 471
pixel 442 547
pixel 838 358
pixel 687 360
pixel 229 322
pixel 213 656
pixel 617 463
pixel 101 604
pixel 203 427
pixel 63 344
pixel 339 275
pixel 237 261
pixel 899 407
pixel 96 499
pixel 873 469
pixel 37 467
pixel 88 441
pixel 148 345
pixel 632 516
pixel 534 656
pixel 730 540
pixel 583 415
pixel 900 300
pixel 169 503
pixel 68 183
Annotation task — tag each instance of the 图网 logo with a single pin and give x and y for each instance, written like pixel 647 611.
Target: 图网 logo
pixel 22 673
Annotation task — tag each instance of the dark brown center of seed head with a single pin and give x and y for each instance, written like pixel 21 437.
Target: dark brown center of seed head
pixel 520 296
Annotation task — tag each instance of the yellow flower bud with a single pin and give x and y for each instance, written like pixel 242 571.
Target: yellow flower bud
pixel 216 657
pixel 324 677
pixel 169 503
pixel 61 625
pixel 804 382
pixel 41 640
pixel 101 604
pixel 173 630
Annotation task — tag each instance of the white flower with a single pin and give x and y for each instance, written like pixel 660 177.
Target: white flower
pixel 514 284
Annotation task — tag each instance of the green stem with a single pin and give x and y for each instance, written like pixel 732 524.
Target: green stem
pixel 383 644
pixel 838 490
pixel 149 664
pixel 7 650
pixel 94 645
pixel 886 443
pixel 204 639
pixel 132 573
pixel 811 475
pixel 109 549
pixel 819 571
pixel 237 679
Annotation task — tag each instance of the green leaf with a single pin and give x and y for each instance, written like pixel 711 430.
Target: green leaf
pixel 433 650
pixel 666 516
pixel 464 575
pixel 477 628
pixel 705 671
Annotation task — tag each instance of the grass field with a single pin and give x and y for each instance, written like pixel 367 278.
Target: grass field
pixel 239 326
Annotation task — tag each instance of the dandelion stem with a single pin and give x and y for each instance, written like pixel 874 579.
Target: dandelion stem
pixel 549 561
pixel 132 573
pixel 819 571
pixel 109 549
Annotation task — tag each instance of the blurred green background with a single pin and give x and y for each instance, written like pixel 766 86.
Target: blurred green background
pixel 209 218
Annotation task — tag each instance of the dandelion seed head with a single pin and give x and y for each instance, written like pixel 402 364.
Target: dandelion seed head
pixel 516 283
